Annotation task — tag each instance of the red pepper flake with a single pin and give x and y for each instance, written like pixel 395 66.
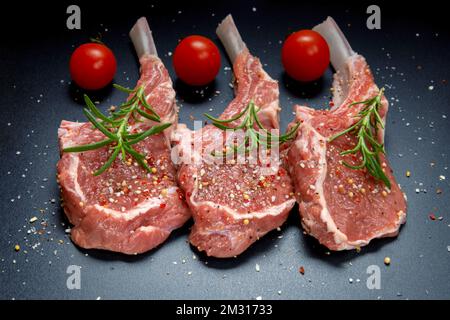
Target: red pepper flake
pixel 331 104
pixel 432 217
pixel 162 205
pixel 180 194
pixel 301 270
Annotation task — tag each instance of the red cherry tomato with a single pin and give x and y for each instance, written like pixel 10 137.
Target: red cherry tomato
pixel 196 60
pixel 92 66
pixel 305 55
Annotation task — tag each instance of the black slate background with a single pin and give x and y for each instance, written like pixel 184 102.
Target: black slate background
pixel 408 55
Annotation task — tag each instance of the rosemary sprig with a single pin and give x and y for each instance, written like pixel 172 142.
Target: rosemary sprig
pixel 253 136
pixel 366 130
pixel 116 129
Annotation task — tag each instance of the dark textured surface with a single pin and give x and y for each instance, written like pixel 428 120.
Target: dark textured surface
pixel 407 56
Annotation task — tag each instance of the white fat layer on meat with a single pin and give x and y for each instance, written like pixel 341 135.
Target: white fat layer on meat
pixel 136 211
pixel 387 232
pixel 271 211
pixel 147 229
pixel 305 145
pixel 73 171
pixel 65 128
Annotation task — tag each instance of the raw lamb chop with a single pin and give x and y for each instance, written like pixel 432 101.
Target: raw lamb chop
pixel 342 207
pixel 125 209
pixel 234 204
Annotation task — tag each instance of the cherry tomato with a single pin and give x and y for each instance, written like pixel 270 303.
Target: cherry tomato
pixel 305 55
pixel 196 60
pixel 92 66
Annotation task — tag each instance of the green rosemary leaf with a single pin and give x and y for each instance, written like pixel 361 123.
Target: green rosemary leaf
pixel 98 125
pixel 253 140
pixel 148 116
pixel 342 133
pixel 115 127
pixel 250 123
pixel 221 126
pixel 290 134
pixel 140 158
pixel 121 88
pixel 366 129
pixel 152 131
pixel 255 116
pixel 148 107
pixel 95 111
pixel 234 118
pixel 108 163
pixel 87 147
pixel 128 103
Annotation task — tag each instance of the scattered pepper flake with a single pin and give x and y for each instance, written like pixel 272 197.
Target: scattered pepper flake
pixel 301 270
pixel 408 173
pixel 432 216
pixel 387 261
pixel 17 248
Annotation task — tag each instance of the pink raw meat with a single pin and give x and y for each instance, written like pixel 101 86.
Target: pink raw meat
pixel 125 209
pixel 341 207
pixel 234 204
